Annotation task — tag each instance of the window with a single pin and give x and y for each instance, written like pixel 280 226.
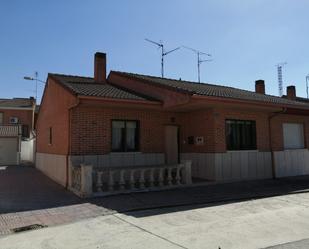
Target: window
pixel 293 136
pixel 50 137
pixel 25 131
pixel 240 135
pixel 125 135
pixel 1 118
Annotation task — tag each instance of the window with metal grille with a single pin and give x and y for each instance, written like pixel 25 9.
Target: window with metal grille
pixel 240 134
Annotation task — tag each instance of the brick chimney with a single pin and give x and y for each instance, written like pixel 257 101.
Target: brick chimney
pixel 100 67
pixel 260 86
pixel 291 92
pixel 32 100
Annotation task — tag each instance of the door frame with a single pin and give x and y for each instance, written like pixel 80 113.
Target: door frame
pixel 178 140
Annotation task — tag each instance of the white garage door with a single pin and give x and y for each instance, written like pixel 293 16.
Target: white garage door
pixel 8 151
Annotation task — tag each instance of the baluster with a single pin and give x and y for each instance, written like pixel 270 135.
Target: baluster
pixel 111 181
pixel 178 175
pixel 151 178
pixel 99 181
pixel 132 180
pixel 142 179
pixel 122 181
pixel 169 176
pixel 161 180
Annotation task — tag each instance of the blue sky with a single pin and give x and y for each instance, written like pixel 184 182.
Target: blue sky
pixel 246 38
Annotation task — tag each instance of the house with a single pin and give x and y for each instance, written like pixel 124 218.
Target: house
pixel 16 130
pixel 129 131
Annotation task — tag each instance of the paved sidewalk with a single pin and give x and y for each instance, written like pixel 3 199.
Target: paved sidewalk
pixel 28 197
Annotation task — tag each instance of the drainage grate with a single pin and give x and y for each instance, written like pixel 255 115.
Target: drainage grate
pixel 27 228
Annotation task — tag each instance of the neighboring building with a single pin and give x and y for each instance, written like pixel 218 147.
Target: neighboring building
pixel 16 130
pixel 130 120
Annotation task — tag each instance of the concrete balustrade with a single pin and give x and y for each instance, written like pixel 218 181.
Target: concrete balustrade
pixel 87 180
pixel 124 179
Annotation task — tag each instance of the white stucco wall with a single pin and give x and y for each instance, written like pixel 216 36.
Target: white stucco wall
pixel 291 162
pixel 27 151
pixel 230 166
pixel 120 159
pixel 52 165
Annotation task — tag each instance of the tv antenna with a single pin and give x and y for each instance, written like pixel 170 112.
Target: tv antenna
pixel 307 80
pixel 163 53
pixel 280 81
pixel 199 60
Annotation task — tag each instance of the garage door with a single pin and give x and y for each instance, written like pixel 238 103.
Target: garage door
pixel 8 151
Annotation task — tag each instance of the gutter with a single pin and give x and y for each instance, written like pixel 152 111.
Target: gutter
pixel 125 101
pixel 253 102
pixel 274 114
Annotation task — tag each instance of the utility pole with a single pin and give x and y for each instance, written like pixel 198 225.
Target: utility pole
pixel 307 80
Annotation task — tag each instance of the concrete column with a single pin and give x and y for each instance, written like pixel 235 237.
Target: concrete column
pixel 86 180
pixel 187 166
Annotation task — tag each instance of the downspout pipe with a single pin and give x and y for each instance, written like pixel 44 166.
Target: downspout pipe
pixel 274 114
pixel 69 141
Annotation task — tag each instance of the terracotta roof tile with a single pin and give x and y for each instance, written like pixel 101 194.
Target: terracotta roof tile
pixel 16 103
pixel 86 86
pixel 206 89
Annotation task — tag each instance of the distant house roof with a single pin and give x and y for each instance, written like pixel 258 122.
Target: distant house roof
pixel 206 89
pixel 16 103
pixel 86 86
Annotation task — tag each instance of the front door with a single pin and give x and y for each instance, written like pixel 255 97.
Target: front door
pixel 171 144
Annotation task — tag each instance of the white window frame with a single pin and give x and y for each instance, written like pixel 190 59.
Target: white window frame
pixel 293 136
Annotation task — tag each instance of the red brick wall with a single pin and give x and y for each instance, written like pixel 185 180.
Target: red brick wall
pixel 197 123
pixel 25 116
pixel 91 129
pixel 277 129
pixel 169 97
pixel 262 130
pixel 54 112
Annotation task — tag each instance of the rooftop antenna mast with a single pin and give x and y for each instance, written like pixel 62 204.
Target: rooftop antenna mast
pixel 307 80
pixel 163 53
pixel 280 81
pixel 199 60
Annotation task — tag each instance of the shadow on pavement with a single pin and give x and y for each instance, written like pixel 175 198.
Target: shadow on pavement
pixel 23 188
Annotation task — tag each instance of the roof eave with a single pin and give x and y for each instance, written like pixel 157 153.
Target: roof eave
pixel 118 100
pixel 241 101
pixel 171 88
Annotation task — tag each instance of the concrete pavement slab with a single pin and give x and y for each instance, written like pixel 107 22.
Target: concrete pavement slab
pixel 251 224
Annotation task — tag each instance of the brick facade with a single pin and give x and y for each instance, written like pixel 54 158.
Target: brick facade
pixel 277 129
pixel 54 113
pixel 91 129
pixel 25 117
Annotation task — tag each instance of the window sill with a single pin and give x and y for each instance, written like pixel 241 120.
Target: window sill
pixel 235 151
pixel 125 153
pixel 295 149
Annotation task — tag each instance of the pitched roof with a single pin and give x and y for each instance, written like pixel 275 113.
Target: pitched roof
pixel 206 89
pixel 86 86
pixel 16 103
